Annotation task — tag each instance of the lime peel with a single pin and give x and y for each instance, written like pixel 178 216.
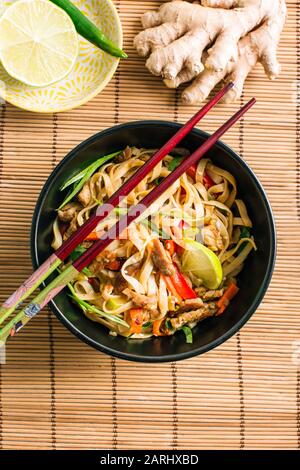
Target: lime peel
pixel 202 263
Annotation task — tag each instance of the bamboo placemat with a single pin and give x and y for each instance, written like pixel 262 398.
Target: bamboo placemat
pixel 58 393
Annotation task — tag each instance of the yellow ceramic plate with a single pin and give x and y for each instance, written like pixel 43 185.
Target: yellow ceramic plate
pixel 91 73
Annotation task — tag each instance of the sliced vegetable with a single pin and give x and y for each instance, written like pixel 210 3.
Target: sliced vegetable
pixel 245 233
pixel 178 286
pixel 171 246
pixel 114 303
pixel 158 180
pixel 86 306
pixel 174 163
pixel 172 288
pixel 228 295
pixel 181 286
pixel 114 265
pixel 136 315
pixel 79 250
pixel 154 228
pixel 89 30
pixel 188 334
pixel 168 325
pixel 156 327
pixel 208 181
pixel 147 324
pixel 192 172
pixel 93 236
pixel 84 175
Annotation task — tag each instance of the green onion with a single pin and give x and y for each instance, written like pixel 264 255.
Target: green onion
pixel 89 30
pixel 174 163
pixel 188 334
pixel 84 175
pixel 79 250
pixel 245 233
pixel 147 223
pixel 86 306
pixel 120 210
pixel 158 180
pixel 155 229
pixel 168 325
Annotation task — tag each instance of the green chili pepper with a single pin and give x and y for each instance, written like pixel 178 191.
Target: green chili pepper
pixel 88 30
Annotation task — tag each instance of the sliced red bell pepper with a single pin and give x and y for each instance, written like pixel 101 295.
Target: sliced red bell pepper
pixel 178 286
pixel 181 286
pixel 191 171
pixel 171 247
pixel 172 289
pixel 208 181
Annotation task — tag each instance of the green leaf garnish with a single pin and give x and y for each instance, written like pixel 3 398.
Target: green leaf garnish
pixel 158 180
pixel 245 233
pixel 79 250
pixel 188 334
pixel 80 178
pixel 147 324
pixel 168 325
pixel 86 306
pixel 174 163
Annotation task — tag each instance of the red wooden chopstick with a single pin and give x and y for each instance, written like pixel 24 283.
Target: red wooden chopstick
pixel 71 272
pixel 135 211
pixel 49 266
pixel 68 246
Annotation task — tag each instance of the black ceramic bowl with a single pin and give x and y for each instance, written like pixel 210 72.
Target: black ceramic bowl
pixel 253 280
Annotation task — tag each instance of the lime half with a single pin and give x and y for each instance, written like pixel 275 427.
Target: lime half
pixel 38 42
pixel 202 263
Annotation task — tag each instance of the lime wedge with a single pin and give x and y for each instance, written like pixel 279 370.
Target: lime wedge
pixel 38 42
pixel 202 263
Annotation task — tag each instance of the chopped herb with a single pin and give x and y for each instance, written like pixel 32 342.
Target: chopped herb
pixel 245 233
pixel 168 325
pixel 80 178
pixel 188 334
pixel 155 229
pixel 174 163
pixel 158 180
pixel 120 210
pixel 79 250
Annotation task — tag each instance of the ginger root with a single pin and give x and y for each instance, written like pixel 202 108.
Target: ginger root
pixel 210 42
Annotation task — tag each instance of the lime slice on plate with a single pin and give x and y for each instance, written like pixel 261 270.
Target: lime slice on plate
pixel 202 263
pixel 38 42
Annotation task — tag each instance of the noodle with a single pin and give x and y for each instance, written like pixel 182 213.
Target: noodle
pixel 131 282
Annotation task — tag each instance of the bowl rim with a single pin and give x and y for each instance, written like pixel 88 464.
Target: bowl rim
pixel 170 357
pixel 90 96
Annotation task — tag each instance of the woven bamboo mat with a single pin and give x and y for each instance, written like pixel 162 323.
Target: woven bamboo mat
pixel 57 393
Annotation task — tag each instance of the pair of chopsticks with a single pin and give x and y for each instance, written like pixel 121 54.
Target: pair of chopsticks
pixel 71 272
